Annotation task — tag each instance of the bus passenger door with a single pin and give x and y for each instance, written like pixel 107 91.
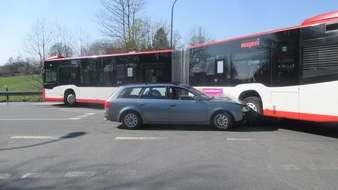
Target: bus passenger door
pixel 285 76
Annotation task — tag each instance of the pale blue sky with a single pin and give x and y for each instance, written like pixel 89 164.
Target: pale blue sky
pixel 221 18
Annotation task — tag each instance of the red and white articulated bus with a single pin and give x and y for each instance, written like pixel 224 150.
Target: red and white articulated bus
pixel 286 73
pixel 92 79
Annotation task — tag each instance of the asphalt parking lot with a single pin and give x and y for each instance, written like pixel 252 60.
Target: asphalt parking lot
pixel 50 146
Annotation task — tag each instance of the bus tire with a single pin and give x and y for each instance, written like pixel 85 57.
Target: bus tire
pixel 131 120
pixel 70 98
pixel 255 116
pixel 222 121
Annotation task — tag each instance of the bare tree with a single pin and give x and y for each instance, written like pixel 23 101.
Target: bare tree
pixel 100 47
pixel 199 35
pixel 64 42
pixel 121 21
pixel 35 45
pixel 60 49
pixel 177 40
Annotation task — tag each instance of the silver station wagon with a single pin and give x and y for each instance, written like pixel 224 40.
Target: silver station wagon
pixel 138 104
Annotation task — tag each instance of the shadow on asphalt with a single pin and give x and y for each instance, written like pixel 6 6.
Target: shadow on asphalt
pixel 165 127
pixel 322 129
pixel 82 105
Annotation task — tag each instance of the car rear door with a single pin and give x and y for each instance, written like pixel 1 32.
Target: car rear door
pixel 154 105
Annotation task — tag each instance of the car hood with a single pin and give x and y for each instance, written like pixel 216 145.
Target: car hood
pixel 226 98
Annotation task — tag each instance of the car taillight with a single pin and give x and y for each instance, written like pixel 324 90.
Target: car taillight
pixel 106 105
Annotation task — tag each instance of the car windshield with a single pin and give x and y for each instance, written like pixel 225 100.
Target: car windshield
pixel 197 92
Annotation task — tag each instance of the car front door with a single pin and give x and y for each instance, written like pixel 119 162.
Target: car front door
pixel 185 109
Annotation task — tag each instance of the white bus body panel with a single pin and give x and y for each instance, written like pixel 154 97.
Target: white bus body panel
pixel 83 94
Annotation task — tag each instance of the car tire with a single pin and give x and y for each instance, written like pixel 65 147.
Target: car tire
pixel 131 120
pixel 255 116
pixel 222 121
pixel 70 98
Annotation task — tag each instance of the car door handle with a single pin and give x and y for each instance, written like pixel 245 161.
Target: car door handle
pixel 142 104
pixel 173 105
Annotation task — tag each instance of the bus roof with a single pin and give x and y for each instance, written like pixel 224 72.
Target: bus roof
pixel 319 19
pixel 57 58
pixel 323 18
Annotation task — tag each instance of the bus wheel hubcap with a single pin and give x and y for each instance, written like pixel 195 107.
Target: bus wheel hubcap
pixel 71 98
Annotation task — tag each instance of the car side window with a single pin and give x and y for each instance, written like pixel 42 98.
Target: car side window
pixel 130 93
pixel 180 94
pixel 154 93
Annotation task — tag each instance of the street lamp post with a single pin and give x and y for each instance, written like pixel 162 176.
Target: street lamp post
pixel 172 21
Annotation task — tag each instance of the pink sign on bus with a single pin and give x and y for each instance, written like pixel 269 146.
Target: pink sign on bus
pixel 212 91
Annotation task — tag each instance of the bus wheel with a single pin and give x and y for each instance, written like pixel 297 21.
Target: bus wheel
pixel 70 98
pixel 222 121
pixel 255 116
pixel 131 120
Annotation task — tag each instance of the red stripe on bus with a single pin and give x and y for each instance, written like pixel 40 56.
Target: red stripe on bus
pixel 301 116
pixel 77 100
pixel 53 99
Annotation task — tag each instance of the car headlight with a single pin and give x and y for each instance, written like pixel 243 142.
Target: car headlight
pixel 245 108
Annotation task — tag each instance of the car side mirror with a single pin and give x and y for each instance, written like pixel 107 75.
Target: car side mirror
pixel 197 98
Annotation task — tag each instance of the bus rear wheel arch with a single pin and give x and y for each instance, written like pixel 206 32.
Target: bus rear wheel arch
pixel 70 98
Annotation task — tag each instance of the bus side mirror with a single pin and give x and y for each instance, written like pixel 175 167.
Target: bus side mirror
pixel 42 71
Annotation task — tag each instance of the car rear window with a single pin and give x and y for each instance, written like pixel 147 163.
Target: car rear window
pixel 132 92
pixel 154 93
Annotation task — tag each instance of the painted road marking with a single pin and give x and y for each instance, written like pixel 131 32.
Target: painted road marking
pixel 289 167
pixel 82 116
pixel 36 175
pixel 133 172
pixel 5 176
pixel 35 137
pixel 36 119
pixel 323 167
pixel 80 174
pixel 240 139
pixel 48 119
pixel 140 138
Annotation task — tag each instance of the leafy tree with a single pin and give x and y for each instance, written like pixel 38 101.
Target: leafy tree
pixel 160 41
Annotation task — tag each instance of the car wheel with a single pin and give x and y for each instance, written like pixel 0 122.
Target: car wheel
pixel 131 120
pixel 255 116
pixel 222 121
pixel 70 98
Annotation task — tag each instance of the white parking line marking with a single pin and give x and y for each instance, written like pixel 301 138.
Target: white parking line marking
pixel 35 137
pixel 139 138
pixel 35 176
pixel 48 119
pixel 82 116
pixel 289 167
pixel 323 167
pixel 36 119
pixel 80 174
pixel 240 139
pixel 5 176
